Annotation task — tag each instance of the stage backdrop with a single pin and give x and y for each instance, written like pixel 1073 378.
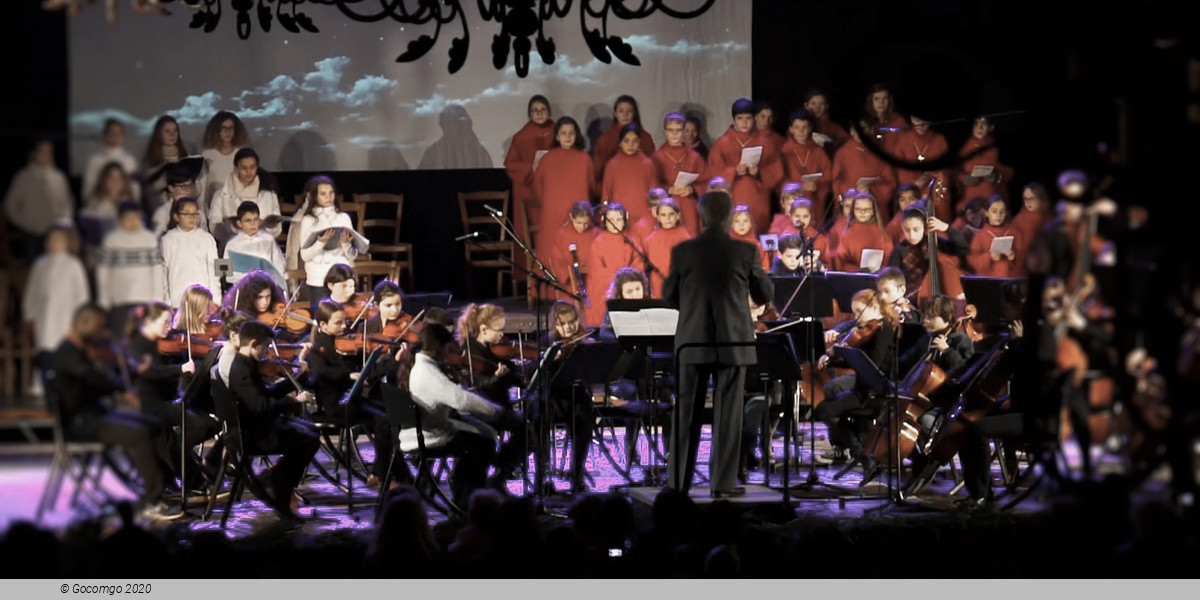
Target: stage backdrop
pixel 338 100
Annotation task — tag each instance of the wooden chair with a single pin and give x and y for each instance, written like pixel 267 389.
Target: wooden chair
pixel 531 229
pixel 493 250
pixel 370 272
pixel 387 228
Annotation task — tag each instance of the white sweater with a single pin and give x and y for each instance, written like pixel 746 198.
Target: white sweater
pixel 188 258
pixel 96 162
pixel 437 395
pixel 37 197
pixel 262 245
pixel 57 286
pixel 130 270
pixel 225 203
pixel 160 219
pixel 217 169
pixel 317 259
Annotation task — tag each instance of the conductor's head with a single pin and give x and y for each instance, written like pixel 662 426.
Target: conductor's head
pixel 716 210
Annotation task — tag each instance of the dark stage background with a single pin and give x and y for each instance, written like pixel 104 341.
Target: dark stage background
pixel 1081 74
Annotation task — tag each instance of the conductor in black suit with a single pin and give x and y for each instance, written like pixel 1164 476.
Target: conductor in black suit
pixel 712 279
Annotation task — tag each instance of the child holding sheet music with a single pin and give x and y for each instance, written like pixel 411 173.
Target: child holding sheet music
pixel 247 183
pixel 994 249
pixel 1036 212
pixel 532 140
pixel 744 157
pixel 863 245
pixel 629 175
pixel 252 248
pixel 611 250
pixel 982 175
pixel 327 237
pixel 805 162
pixel 680 170
pixel 188 252
pixel 855 167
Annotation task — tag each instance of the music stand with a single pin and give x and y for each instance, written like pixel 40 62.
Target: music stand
pixel 814 298
pixel 584 365
pixel 415 303
pixel 778 358
pixel 880 384
pixel 987 294
pixel 642 326
pixel 845 285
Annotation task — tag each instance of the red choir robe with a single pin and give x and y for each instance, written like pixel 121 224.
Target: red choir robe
pixel 853 162
pixel 824 249
pixel 658 247
pixel 671 160
pixel 609 252
pixel 894 226
pixel 1029 224
pixel 563 177
pixel 752 190
pixel 912 146
pixel 701 149
pixel 991 158
pixel 775 139
pixel 949 272
pixel 825 126
pixel 802 159
pixel 628 179
pixel 518 163
pixel 643 228
pixel 779 223
pixel 980 257
pixel 750 238
pixel 609 145
pixel 858 237
pixel 560 255
pixel 889 141
pixel 834 234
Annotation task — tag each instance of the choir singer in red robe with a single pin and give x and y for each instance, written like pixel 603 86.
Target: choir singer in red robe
pixel 629 175
pixel 752 184
pixel 625 111
pixel 853 162
pixel 563 177
pixel 801 157
pixel 534 137
pixel 675 157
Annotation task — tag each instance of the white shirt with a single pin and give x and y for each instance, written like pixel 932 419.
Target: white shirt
pixel 217 169
pixel 37 197
pixel 96 163
pixel 225 203
pixel 317 259
pixel 161 219
pixel 188 258
pixel 437 395
pixel 57 286
pixel 261 245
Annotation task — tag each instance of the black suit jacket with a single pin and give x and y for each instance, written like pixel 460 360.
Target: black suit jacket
pixel 712 279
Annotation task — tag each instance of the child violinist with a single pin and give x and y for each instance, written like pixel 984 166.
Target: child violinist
pixel 564 405
pixel 333 373
pixel 188 251
pixel 876 333
pixel 611 249
pixel 913 255
pixel 997 264
pixel 340 287
pixel 863 232
pixel 254 294
pixel 666 236
pixel 318 247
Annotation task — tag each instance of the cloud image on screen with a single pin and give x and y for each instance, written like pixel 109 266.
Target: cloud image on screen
pixel 337 100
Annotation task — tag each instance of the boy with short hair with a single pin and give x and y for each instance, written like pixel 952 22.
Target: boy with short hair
pixel 675 157
pixel 252 241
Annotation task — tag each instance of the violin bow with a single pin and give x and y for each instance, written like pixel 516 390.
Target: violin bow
pixel 409 326
pixel 286 306
pixel 287 372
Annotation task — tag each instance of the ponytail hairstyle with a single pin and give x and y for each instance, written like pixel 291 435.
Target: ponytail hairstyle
pixel 247 289
pixel 475 316
pixel 870 297
pixel 142 313
pixel 310 193
pixel 193 310
pixel 627 275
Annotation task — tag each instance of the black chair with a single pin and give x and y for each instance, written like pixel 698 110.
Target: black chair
pixel 82 461
pixel 403 413
pixel 237 452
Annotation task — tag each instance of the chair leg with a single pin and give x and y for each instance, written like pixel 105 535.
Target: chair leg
pixel 235 492
pixel 53 482
pixel 216 485
pixel 80 478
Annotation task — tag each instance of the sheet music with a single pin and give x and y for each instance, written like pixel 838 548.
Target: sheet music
pixel 811 177
pixel 982 170
pixel 645 322
pixel 1002 244
pixel 872 259
pixel 684 179
pixel 751 156
pixel 866 181
pixel 537 158
pixel 769 242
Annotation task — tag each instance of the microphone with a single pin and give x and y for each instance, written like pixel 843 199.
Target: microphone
pixel 468 236
pixel 492 211
pixel 889 129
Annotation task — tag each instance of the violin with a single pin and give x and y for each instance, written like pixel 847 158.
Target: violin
pixel 513 350
pixel 293 319
pixel 197 346
pixel 861 335
pixel 407 329
pixel 966 324
pixel 354 307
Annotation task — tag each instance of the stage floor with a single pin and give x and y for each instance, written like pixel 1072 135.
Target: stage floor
pixel 23 475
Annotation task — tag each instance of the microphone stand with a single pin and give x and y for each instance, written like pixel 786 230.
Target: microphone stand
pixel 649 266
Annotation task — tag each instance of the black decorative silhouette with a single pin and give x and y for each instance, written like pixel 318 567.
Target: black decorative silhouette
pixel 521 23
